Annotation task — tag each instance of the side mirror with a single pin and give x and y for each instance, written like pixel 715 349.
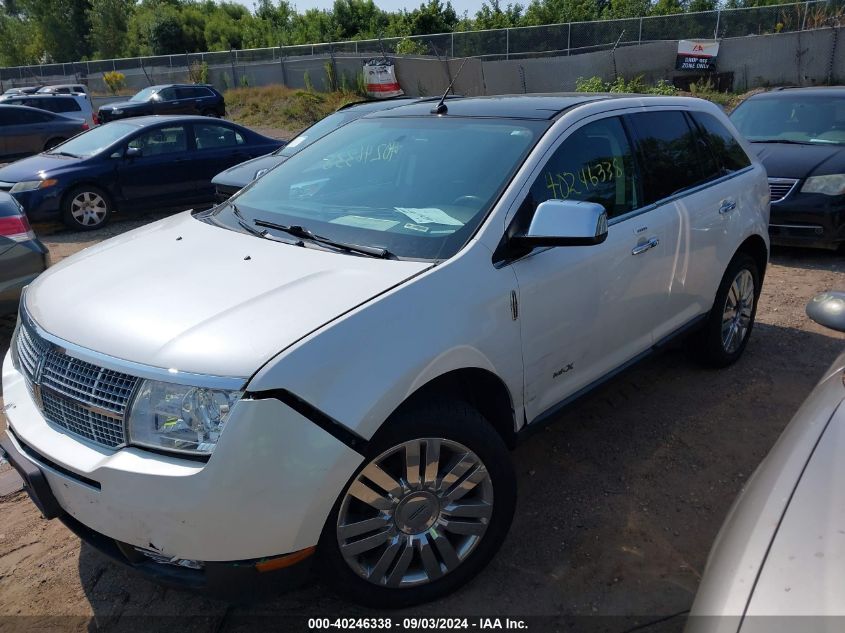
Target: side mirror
pixel 133 152
pixel 565 223
pixel 828 309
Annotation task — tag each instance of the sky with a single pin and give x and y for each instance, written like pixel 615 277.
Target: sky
pixel 387 5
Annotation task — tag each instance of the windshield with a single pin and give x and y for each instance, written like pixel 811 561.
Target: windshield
pixel 94 141
pixel 817 119
pixel 144 95
pixel 318 131
pixel 417 187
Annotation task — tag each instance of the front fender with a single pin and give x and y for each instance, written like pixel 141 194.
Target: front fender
pixel 361 367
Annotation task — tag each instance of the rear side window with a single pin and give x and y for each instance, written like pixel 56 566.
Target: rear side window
pixel 65 105
pixel 726 151
pixel 668 152
pixel 594 164
pixel 210 136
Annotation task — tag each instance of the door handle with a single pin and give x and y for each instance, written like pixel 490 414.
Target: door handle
pixel 727 206
pixel 647 246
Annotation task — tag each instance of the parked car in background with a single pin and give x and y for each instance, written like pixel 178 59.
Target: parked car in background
pixel 22 256
pixel 63 89
pixel 167 99
pixel 781 550
pixel 75 106
pixel 229 182
pixel 25 131
pixel 144 163
pixel 799 135
pixel 23 90
pixel 332 365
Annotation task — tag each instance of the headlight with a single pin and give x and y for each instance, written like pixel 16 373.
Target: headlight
pixel 31 185
pixel 832 185
pixel 178 417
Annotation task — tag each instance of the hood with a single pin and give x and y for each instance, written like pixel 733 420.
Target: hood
pixel 804 571
pixel 244 173
pixel 186 295
pixel 800 161
pixel 124 105
pixel 29 168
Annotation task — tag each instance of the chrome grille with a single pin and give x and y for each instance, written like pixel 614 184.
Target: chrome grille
pixel 779 188
pixel 75 395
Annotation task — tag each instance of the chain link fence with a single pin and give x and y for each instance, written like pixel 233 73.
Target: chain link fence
pixel 513 43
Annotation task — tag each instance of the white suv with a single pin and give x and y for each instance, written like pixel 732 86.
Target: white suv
pixel 330 367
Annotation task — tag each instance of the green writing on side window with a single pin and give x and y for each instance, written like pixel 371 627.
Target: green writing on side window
pixel 562 185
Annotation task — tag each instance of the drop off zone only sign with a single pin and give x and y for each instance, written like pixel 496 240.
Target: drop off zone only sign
pixel 697 55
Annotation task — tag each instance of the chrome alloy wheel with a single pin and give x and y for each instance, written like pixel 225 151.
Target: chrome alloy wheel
pixel 415 513
pixel 739 306
pixel 89 208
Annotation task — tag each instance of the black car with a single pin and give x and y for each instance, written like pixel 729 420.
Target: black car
pixel 799 135
pixel 229 182
pixel 157 162
pixel 167 99
pixel 22 256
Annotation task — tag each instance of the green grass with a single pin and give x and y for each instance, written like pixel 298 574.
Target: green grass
pixel 281 107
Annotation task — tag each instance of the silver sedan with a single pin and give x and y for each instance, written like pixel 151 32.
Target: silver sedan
pixel 781 550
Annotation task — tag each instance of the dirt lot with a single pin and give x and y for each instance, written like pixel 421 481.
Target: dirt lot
pixel 619 500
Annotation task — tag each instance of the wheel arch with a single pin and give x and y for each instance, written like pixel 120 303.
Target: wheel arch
pixel 755 246
pixel 479 387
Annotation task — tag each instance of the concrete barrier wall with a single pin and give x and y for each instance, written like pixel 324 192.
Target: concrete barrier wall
pixel 802 58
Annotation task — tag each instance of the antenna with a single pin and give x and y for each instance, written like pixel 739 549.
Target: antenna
pixel 441 108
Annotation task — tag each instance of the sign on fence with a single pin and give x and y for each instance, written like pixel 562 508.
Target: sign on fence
pixel 380 77
pixel 697 54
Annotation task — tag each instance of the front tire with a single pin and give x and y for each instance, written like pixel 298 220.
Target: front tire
pixel 725 334
pixel 425 513
pixel 86 208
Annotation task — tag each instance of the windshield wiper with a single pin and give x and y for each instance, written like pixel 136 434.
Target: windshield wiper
pixel 64 154
pixel 246 226
pixel 781 140
pixel 303 233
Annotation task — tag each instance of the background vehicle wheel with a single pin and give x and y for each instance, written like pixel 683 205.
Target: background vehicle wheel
pixel 53 142
pixel 86 208
pixel 427 510
pixel 725 334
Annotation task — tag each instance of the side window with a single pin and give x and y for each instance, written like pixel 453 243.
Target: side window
pixel 8 116
pixel 668 152
pixel 210 136
pixel 594 164
pixel 27 116
pixel 163 140
pixel 65 105
pixel 168 94
pixel 727 151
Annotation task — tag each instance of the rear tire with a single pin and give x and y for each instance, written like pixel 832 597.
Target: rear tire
pixel 86 208
pixel 728 327
pixel 430 529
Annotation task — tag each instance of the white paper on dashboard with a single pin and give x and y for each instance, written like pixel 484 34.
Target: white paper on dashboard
pixel 429 216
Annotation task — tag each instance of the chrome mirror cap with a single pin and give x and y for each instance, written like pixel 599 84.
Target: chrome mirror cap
pixel 566 223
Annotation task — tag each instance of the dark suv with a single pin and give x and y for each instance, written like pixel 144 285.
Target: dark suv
pixel 167 99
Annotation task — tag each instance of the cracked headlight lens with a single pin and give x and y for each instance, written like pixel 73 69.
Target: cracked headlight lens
pixel 181 418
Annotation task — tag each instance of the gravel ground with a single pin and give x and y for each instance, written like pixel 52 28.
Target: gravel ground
pixel 619 499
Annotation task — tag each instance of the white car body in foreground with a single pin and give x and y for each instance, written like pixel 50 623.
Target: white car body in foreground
pixel 331 349
pixel 781 550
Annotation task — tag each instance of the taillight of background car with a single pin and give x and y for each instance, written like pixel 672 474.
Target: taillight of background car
pixel 16 228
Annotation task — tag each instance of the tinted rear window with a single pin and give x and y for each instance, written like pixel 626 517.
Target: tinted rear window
pixel 667 149
pixel 727 154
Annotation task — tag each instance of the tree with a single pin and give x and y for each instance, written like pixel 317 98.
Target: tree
pixel 61 27
pixel 109 21
pixel 492 16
